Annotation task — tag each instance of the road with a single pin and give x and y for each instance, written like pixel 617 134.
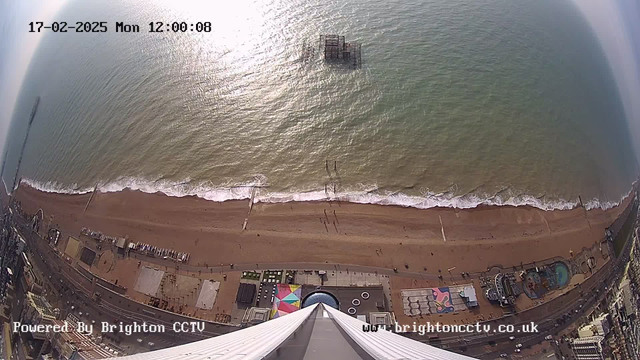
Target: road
pixel 117 307
pixel 75 290
pixel 566 308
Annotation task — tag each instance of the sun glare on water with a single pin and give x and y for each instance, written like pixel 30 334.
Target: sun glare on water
pixel 234 24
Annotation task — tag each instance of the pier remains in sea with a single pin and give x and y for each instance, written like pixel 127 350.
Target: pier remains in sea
pixel 335 50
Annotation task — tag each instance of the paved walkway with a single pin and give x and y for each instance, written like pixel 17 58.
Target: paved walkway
pixel 221 268
pixel 545 314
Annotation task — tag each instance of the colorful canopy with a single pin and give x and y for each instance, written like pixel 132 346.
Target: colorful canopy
pixel 286 299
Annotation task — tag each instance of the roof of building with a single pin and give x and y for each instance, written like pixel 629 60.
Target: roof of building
pixel 85 346
pixel 601 317
pixel 469 292
pixel 380 318
pixel 120 242
pixel 588 340
pixel 588 330
pixel 256 315
pixel 41 305
pixel 246 293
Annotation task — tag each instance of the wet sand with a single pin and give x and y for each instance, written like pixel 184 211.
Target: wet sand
pixel 346 233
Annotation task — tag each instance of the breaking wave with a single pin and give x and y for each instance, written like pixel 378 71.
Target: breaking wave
pixel 361 194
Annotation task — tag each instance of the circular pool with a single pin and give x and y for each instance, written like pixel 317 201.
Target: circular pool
pixel 562 273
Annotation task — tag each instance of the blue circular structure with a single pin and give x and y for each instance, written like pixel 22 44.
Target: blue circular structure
pixel 320 297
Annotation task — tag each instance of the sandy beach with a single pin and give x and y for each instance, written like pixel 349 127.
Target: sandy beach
pixel 371 235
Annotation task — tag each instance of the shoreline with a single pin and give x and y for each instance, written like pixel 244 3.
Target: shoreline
pixel 171 222
pixel 333 232
pixel 368 196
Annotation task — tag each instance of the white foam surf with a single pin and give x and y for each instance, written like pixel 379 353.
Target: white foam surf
pixel 361 194
pixel 54 187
